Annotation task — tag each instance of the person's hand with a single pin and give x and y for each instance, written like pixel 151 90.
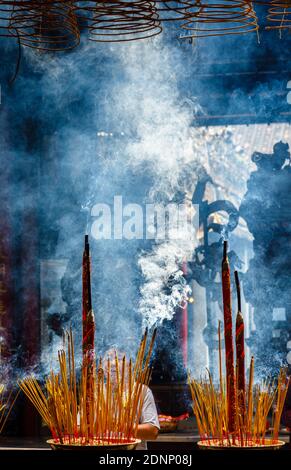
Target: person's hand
pixel 147 432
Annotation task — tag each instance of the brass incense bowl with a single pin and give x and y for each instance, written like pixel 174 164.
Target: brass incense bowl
pixel 95 445
pixel 216 444
pixel 168 426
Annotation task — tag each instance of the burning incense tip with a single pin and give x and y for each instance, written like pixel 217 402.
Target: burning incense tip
pixel 87 246
pixel 236 278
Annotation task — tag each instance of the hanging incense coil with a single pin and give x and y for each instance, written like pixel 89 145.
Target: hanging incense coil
pixel 119 21
pixel 279 15
pixel 46 25
pixel 166 10
pixel 6 9
pixel 5 13
pixel 219 18
pixel 261 2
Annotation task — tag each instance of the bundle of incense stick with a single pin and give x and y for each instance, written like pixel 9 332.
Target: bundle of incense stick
pixel 7 400
pixel 114 410
pixel 232 415
pixel 210 408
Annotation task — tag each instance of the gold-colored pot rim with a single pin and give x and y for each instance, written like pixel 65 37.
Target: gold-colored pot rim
pixel 99 445
pixel 213 444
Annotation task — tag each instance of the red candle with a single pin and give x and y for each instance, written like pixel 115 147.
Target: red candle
pixel 240 354
pixel 229 355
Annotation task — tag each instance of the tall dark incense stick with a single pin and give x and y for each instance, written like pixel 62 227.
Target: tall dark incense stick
pixel 87 312
pixel 240 354
pixel 88 330
pixel 229 355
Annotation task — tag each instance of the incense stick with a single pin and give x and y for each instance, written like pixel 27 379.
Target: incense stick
pixel 211 411
pixel 115 400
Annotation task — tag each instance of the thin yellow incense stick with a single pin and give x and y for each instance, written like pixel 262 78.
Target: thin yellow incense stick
pixel 100 407
pixel 250 398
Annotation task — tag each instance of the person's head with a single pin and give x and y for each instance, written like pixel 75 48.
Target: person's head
pixel 115 358
pixel 281 154
pixel 262 160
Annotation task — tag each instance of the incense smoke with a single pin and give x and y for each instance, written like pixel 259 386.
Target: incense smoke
pixel 115 120
pixel 154 133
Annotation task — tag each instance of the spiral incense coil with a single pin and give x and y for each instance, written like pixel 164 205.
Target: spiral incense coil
pixel 6 9
pixel 261 2
pixel 279 15
pixel 5 14
pixel 46 25
pixel 119 21
pixel 219 18
pixel 166 10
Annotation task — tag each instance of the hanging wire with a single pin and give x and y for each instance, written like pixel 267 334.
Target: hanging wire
pixel 279 15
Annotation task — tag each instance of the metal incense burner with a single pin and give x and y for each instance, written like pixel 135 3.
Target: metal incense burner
pixel 95 445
